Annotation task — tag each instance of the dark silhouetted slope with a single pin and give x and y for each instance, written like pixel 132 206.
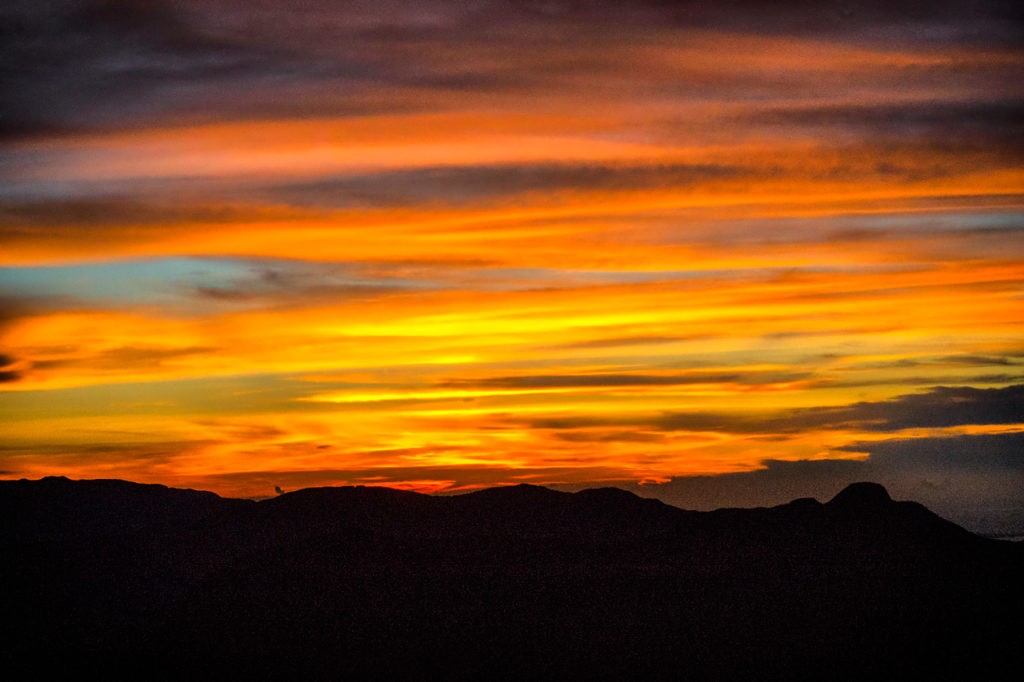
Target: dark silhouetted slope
pixel 521 582
pixel 57 508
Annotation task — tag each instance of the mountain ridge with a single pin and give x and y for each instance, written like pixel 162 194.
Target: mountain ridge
pixel 505 583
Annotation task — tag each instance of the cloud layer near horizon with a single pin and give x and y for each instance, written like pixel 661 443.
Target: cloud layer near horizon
pixel 443 245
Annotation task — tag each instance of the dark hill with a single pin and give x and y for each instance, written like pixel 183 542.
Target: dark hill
pixel 57 508
pixel 145 582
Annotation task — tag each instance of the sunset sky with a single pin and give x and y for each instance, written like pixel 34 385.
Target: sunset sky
pixel 717 253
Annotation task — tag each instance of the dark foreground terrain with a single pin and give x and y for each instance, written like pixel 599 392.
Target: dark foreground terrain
pixel 145 582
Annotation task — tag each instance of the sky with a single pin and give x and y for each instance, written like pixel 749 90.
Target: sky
pixel 722 254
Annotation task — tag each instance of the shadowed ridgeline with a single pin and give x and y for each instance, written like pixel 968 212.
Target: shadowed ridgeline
pixel 522 582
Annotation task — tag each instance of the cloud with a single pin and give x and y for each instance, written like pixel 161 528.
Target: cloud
pixel 777 482
pixel 1000 116
pixel 945 20
pixel 931 379
pixel 193 286
pixel 74 65
pixel 610 436
pixel 967 359
pixel 460 184
pixel 722 422
pixel 9 369
pixel 995 125
pixel 126 358
pixel 974 480
pixel 96 459
pixel 14 308
pixel 623 380
pixel 978 360
pixel 243 295
pixel 279 282
pixel 982 452
pixel 107 211
pixel 939 407
pixel 619 341
pixel 78 64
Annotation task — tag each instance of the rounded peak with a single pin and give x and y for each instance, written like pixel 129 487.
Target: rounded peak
pixel 607 493
pixel 800 504
pixel 863 494
pixel 519 490
pixel 343 494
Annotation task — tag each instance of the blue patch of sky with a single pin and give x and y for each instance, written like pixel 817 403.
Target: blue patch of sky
pixel 185 283
pixel 188 282
pixel 126 282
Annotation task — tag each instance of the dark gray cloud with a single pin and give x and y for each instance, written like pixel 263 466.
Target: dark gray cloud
pixel 909 21
pixel 9 373
pixel 931 380
pixel 74 65
pixel 282 283
pixel 127 357
pixel 978 360
pixel 957 127
pixel 981 452
pixel 727 423
pixel 619 341
pixel 72 455
pixel 569 423
pixel 999 116
pixel 969 359
pixel 124 358
pixel 974 480
pixel 610 436
pixel 145 204
pixel 940 407
pixel 1010 358
pixel 69 65
pixel 458 184
pixel 14 308
pixel 239 294
pixel 612 380
pixel 104 211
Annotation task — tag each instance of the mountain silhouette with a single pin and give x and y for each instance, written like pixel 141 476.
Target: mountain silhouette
pixel 123 580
